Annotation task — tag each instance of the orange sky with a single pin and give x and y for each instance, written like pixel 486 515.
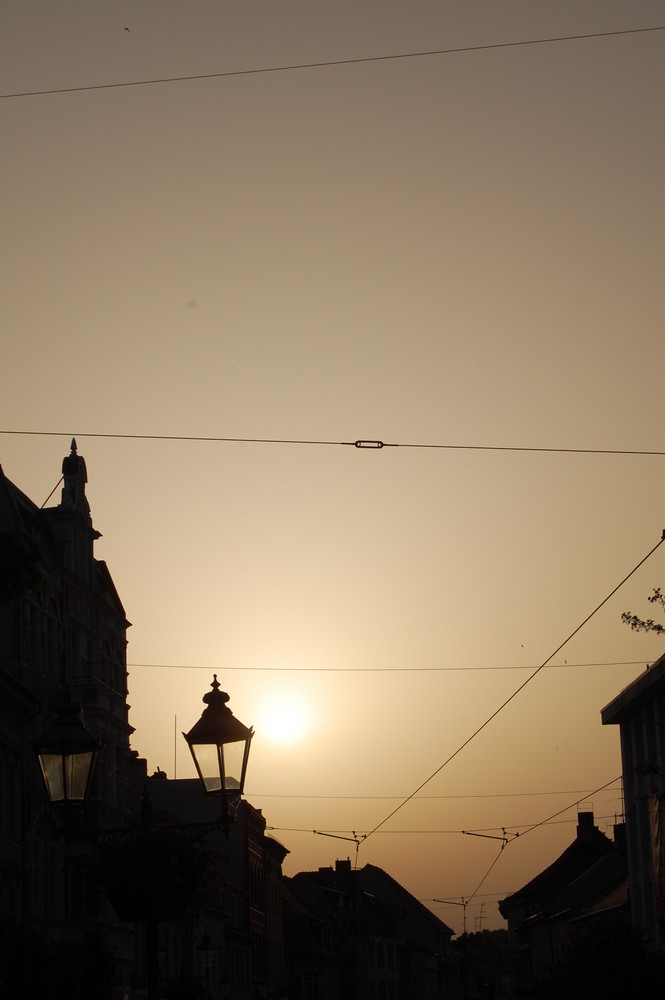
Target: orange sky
pixel 460 250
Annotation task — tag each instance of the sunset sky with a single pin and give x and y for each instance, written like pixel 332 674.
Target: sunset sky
pixel 218 284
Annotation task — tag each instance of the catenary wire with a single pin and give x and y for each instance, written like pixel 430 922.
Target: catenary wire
pixel 427 798
pixel 553 818
pixel 486 875
pixel 440 833
pixel 359 444
pixel 517 690
pixel 376 670
pixel 331 63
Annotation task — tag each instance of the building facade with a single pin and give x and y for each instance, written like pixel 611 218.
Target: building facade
pixel 144 852
pixel 357 934
pixel 639 711
pixel 63 632
pixel 588 881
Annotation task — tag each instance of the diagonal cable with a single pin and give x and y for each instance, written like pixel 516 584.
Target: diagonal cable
pixel 516 692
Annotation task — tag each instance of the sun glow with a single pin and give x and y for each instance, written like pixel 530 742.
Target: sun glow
pixel 284 720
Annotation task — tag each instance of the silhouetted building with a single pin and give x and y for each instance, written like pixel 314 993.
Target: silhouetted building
pixel 357 934
pixel 639 711
pixel 62 630
pixel 588 881
pixel 240 910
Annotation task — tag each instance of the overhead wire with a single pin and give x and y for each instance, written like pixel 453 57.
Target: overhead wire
pixel 427 798
pixel 359 444
pixel 516 692
pixel 486 875
pixel 339 833
pixel 329 63
pixel 377 670
pixel 553 818
pixel 506 839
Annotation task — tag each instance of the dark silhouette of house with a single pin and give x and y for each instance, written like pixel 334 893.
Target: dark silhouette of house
pixel 639 711
pixel 588 881
pixel 357 933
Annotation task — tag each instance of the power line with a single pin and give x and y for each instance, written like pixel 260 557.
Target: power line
pixel 360 443
pixel 487 874
pixel 549 819
pixel 517 691
pixel 377 670
pixel 330 63
pixel 553 818
pixel 435 832
pixel 427 798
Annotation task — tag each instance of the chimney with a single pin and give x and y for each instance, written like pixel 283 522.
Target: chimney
pixel 620 837
pixel 585 826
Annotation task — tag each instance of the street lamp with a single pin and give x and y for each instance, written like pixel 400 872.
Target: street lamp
pixel 220 744
pixel 206 952
pixel 68 755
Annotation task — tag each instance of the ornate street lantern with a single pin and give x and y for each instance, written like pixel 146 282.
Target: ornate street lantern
pixel 68 755
pixel 219 744
pixel 206 952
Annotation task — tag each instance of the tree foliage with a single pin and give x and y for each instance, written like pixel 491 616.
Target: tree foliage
pixel 647 624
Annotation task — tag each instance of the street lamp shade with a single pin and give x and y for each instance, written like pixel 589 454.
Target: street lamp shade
pixel 219 744
pixel 68 755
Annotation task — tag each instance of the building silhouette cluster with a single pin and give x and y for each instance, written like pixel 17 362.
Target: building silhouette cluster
pixel 146 850
pixel 82 893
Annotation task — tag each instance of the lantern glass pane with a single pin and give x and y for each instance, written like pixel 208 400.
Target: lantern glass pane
pixel 207 759
pixel 234 754
pixel 77 769
pixel 51 765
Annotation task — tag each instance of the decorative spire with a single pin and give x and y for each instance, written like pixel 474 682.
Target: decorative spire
pixel 75 477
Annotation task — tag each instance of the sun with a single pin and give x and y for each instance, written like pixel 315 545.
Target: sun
pixel 284 720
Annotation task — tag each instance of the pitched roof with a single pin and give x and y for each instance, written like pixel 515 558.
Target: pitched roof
pixel 589 846
pixel 344 878
pixel 604 882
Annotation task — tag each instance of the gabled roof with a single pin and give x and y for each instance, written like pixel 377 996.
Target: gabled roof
pixel 604 882
pixel 344 878
pixel 380 873
pixel 589 846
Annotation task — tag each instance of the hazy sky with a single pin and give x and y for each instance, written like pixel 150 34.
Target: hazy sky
pixel 461 250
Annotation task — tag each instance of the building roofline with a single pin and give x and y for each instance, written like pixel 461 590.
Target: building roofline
pixel 639 690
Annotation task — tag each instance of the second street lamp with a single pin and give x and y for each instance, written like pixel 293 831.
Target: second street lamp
pixel 219 744
pixel 68 756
